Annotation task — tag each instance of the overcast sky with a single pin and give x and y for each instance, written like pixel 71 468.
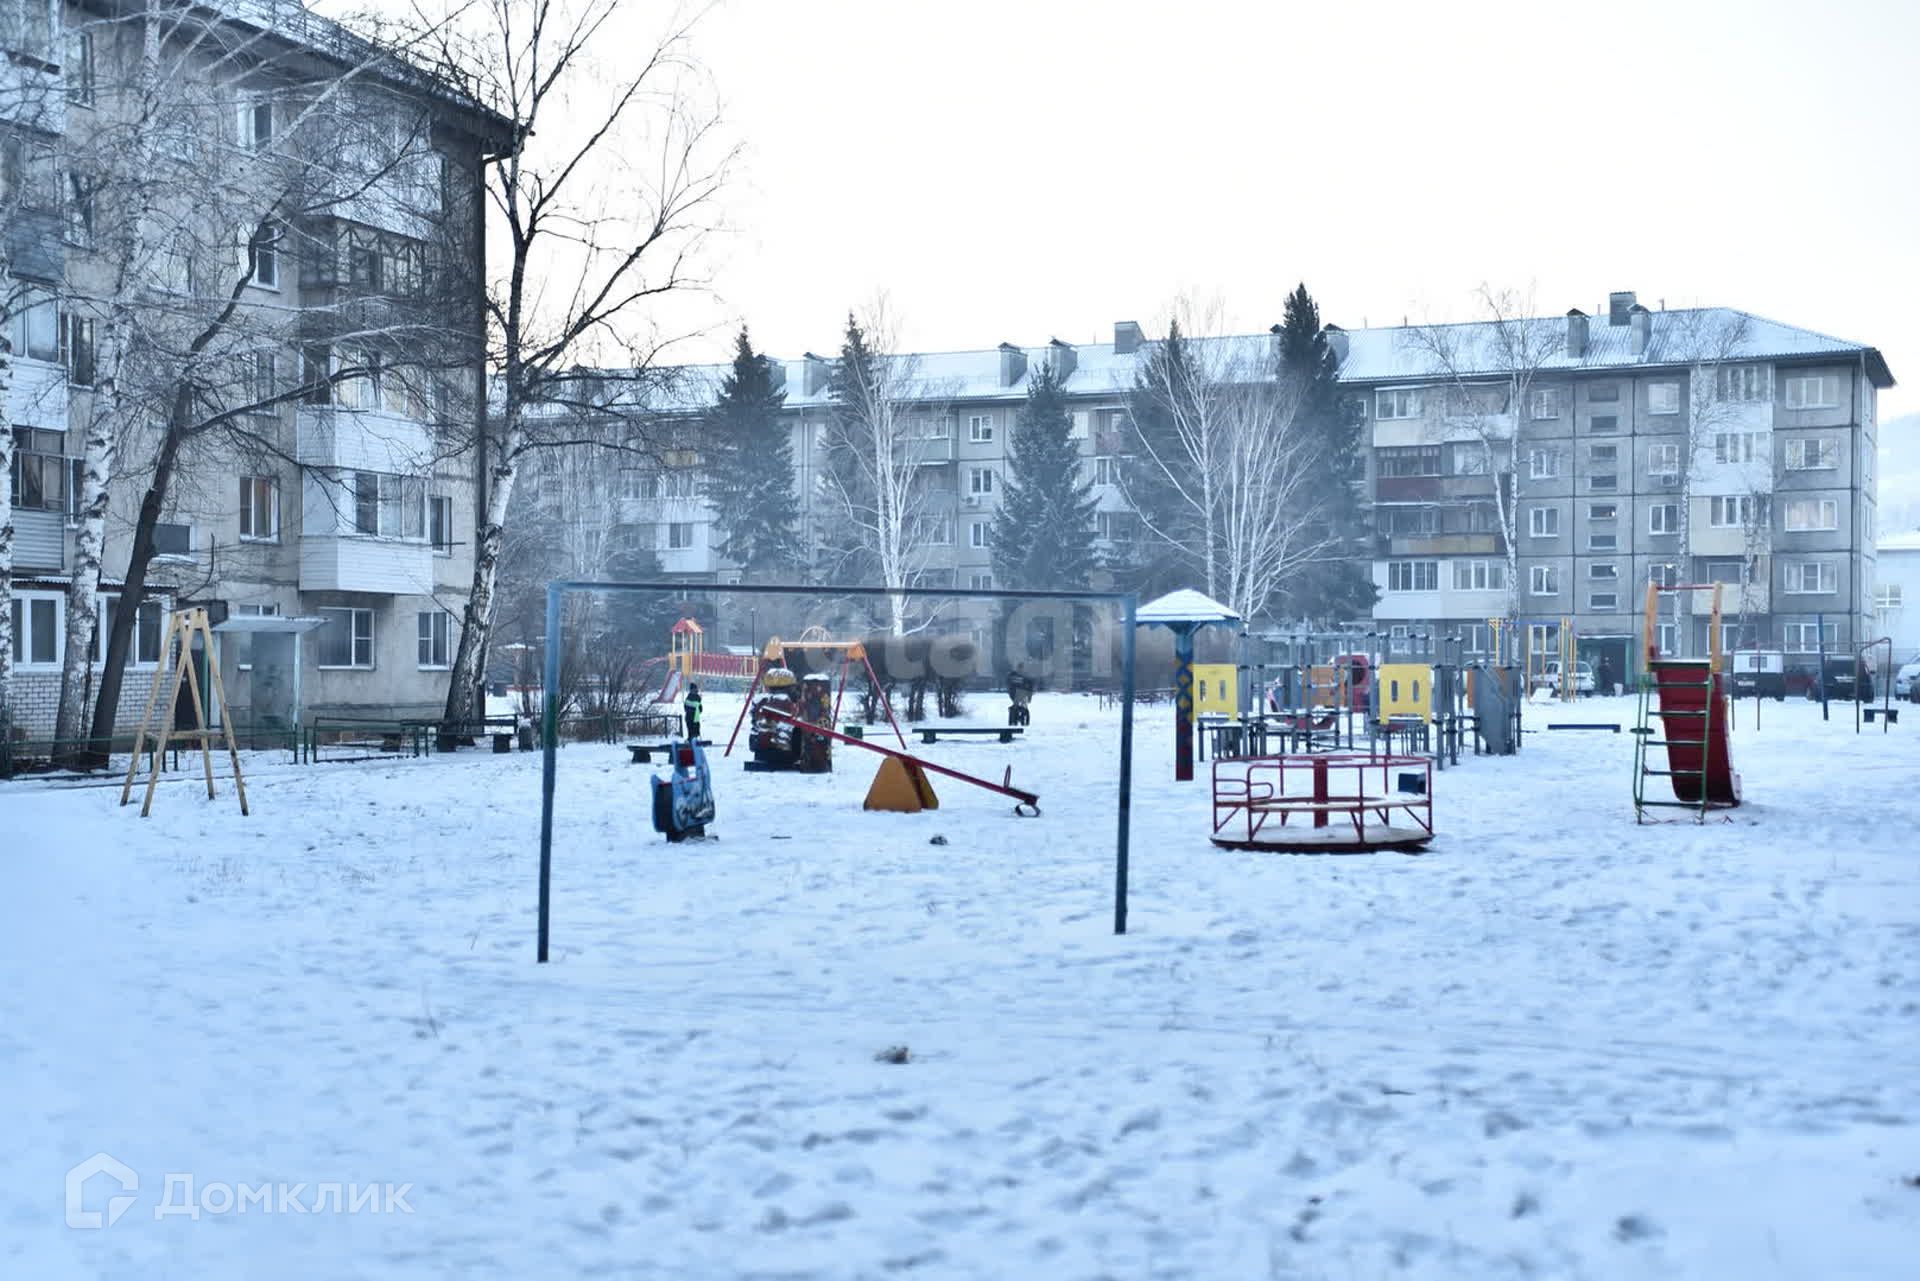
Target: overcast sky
pixel 1020 171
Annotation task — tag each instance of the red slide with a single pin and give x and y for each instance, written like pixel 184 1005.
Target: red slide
pixel 1693 716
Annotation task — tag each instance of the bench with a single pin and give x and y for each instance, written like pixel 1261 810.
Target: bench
pixel 1614 726
pixel 1892 714
pixel 932 733
pixel 643 752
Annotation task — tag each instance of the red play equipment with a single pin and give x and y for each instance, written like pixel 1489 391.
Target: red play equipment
pixel 851 652
pixel 1689 695
pixel 1343 803
pixel 1026 801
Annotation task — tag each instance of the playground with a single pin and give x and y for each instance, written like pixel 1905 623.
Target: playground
pixel 831 1042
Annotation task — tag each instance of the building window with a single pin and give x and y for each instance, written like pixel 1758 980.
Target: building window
pixel 33 325
pixel 1479 576
pixel 1886 596
pixel 981 582
pixel 1603 602
pixel 80 210
pixel 265 381
pixel 1602 542
pixel 1544 580
pixel 1603 511
pixel 679 535
pixel 1811 578
pixel 1745 382
pixel 1544 522
pixel 146 631
pixel 1409 522
pixel 256 123
pixel 1603 424
pixel 1543 464
pixel 1603 483
pixel 1739 446
pixel 978 533
pixel 1605 571
pixel 1805 514
pixel 979 480
pixel 78 68
pixel 980 428
pixel 362 389
pixel 266 255
pixel 1807 638
pixel 1413 575
pixel 41 470
pixel 347 638
pixel 1664 575
pixel 1414 460
pixel 1467 460
pixel 1807 453
pixel 1113 527
pixel 1605 454
pixel 1663 459
pixel 1735 511
pixel 38 632
pixel 389 506
pixel 259 508
pixel 172 538
pixel 1104 472
pixel 1546 402
pixel 1603 393
pixel 1663 398
pixel 1397 402
pixel 1663 518
pixel 435 632
pixel 1813 391
pixel 440 524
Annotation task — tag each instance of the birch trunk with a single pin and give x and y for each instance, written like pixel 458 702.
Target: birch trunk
pixel 476 625
pixel 83 588
pixel 6 508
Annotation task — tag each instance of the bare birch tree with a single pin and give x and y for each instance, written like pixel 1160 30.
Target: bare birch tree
pixel 604 195
pixel 1488 370
pixel 1272 524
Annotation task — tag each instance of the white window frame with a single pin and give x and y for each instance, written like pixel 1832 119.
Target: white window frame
pixel 1599 542
pixel 1739 447
pixel 1793 636
pixel 1663 398
pixel 355 640
pixel 251 490
pixel 1604 571
pixel 1826 578
pixel 410 500
pixel 1543 522
pixel 679 535
pixel 1543 464
pixel 1663 518
pixel 1825 453
pixel 980 582
pixel 1603 511
pixel 980 534
pixel 24 629
pixel 980 429
pixel 1887 596
pixel 1391 403
pixel 1603 602
pixel 266 261
pixel 1746 384
pixel 1663 458
pixel 433 637
pixel 1479 576
pixel 1105 470
pixel 441 538
pixel 1545 404
pixel 1810 391
pixel 979 480
pixel 1825 506
pixel 1413 576
pixel 1733 511
pixel 1543 580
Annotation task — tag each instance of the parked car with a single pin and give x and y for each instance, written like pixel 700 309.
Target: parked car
pixel 1583 682
pixel 1906 682
pixel 1847 678
pixel 1759 673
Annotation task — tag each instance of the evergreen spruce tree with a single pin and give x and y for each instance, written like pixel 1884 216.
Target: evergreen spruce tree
pixel 1043 532
pixel 750 470
pixel 1339 586
pixel 843 556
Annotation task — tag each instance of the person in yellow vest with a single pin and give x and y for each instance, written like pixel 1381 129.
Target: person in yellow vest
pixel 693 711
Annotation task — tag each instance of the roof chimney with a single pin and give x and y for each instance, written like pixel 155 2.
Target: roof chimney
pixel 776 373
pixel 1337 341
pixel 1576 334
pixel 817 372
pixel 1065 357
pixel 1618 305
pixel 1126 337
pixel 1013 364
pixel 1640 322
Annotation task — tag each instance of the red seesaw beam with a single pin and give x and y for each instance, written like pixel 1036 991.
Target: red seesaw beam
pixel 1030 799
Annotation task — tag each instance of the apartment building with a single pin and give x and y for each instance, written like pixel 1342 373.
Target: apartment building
pixel 1770 455
pixel 334 497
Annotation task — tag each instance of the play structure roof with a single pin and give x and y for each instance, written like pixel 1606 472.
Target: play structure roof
pixel 1184 606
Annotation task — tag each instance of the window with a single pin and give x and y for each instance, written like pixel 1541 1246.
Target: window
pixel 256 123
pixel 171 538
pixel 1104 471
pixel 1409 522
pixel 259 508
pixel 38 632
pixel 347 638
pixel 1663 398
pixel 1665 637
pixel 1603 511
pixel 980 428
pixel 1813 391
pixel 1807 453
pixel 1735 511
pixel 41 470
pixel 146 631
pixel 1603 453
pixel 1546 402
pixel 1603 424
pixel 434 628
pixel 364 265
pixel 1602 602
pixel 1605 571
pixel 1745 382
pixel 366 503
pixel 389 506
pixel 1544 522
pixel 1543 464
pixel 79 207
pixel 1466 460
pixel 1739 446
pixel 1663 459
pixel 1413 575
pixel 1399 402
pixel 263 380
pixel 1812 514
pixel 979 532
pixel 979 480
pixel 1603 482
pixel 78 68
pixel 936 530
pixel 1806 638
pixel 1479 576
pixel 1415 460
pixel 1603 393
pixel 1663 518
pixel 1811 578
pixel 1887 596
pixel 440 523
pixel 33 327
pixel 266 255
pixel 1113 527
pixel 1664 575
pixel 362 389
pixel 1544 580
pixel 981 582
pixel 679 535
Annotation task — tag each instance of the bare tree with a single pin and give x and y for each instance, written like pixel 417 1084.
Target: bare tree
pixel 1272 521
pixel 605 195
pixel 1488 371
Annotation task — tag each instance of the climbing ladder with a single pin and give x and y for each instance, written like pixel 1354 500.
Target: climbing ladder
pixel 1683 710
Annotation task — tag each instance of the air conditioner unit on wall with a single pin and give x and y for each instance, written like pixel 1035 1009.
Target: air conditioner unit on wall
pixel 972 500
pixel 1669 478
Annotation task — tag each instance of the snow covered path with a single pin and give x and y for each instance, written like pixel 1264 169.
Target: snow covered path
pixel 1557 1044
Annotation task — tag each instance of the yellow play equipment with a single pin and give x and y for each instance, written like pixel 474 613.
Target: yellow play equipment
pixel 1216 690
pixel 901 787
pixel 1406 689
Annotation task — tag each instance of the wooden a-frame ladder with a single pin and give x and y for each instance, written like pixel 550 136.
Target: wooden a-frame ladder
pixel 183 625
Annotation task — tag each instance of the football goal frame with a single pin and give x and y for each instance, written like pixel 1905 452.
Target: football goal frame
pixel 559 589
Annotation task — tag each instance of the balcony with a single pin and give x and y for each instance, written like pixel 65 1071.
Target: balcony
pixel 39 540
pixel 361 440
pixel 1439 545
pixel 38 397
pixel 359 563
pixel 924 451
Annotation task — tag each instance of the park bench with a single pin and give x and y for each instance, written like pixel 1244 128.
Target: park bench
pixel 932 733
pixel 643 752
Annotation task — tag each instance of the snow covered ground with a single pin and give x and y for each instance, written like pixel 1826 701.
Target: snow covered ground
pixel 1556 1045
